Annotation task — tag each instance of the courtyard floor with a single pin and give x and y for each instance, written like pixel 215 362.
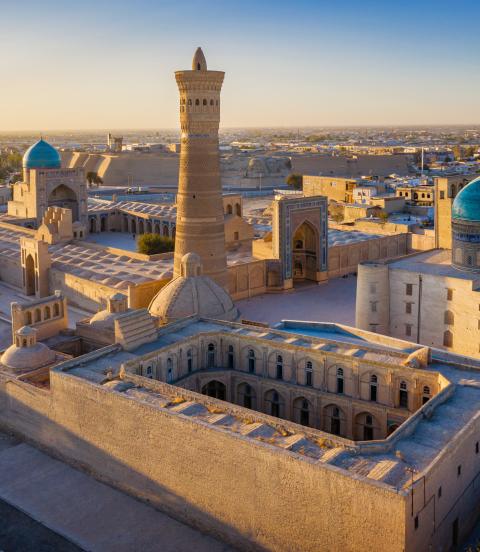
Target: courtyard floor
pixel 333 301
pixel 120 240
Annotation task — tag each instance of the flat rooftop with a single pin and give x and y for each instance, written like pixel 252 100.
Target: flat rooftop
pixel 138 208
pixel 414 445
pixel 436 262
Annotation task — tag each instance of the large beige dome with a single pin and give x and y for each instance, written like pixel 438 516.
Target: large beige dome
pixel 26 353
pixel 191 293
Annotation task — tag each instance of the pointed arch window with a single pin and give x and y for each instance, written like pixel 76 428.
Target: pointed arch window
pixel 373 387
pixel 340 381
pixel 251 361
pixel 279 367
pixel 211 355
pixel 231 357
pixel 309 374
pixel 403 395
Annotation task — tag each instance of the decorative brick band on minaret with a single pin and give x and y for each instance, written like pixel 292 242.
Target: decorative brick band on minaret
pixel 200 221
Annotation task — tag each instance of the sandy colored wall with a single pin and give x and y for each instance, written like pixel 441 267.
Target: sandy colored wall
pixel 421 242
pixel 11 270
pixel 247 280
pixel 128 168
pixel 85 294
pixel 464 307
pixel 252 494
pixel 141 295
pixel 344 259
pixel 381 165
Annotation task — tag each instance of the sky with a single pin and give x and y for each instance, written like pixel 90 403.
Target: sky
pixel 109 64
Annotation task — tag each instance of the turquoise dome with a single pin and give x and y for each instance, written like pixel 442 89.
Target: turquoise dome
pixel 466 205
pixel 41 156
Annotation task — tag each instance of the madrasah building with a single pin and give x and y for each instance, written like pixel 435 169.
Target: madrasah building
pixel 431 297
pixel 305 436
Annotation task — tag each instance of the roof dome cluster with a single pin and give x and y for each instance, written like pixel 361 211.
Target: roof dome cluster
pixel 42 156
pixel 466 205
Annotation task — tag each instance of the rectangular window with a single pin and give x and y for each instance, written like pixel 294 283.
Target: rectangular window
pixel 408 330
pixel 459 470
pixel 409 289
pixel 440 492
pixel 455 533
pixel 373 306
pixel 442 195
pixel 476 448
pixel 408 308
pixel 449 294
pixel 403 399
pixel 373 288
pixel 308 380
pixel 416 522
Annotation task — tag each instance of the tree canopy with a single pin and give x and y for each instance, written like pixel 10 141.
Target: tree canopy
pixel 151 244
pixel 295 181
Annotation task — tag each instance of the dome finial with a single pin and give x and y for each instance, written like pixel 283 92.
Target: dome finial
pixel 199 62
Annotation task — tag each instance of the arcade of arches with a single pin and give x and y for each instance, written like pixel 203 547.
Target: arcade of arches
pixel 359 402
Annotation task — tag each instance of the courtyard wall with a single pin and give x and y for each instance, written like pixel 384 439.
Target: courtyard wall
pixel 251 494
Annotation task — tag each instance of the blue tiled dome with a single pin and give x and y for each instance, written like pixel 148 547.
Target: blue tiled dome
pixel 466 205
pixel 41 156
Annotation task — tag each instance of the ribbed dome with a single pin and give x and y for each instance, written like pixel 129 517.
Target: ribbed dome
pixel 26 354
pixel 191 293
pixel 466 205
pixel 41 156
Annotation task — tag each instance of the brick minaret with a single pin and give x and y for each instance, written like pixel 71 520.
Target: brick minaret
pixel 200 225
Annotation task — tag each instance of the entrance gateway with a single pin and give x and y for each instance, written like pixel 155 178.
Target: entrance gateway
pixel 300 238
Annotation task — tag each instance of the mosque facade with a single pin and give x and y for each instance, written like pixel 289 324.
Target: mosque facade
pixel 46 184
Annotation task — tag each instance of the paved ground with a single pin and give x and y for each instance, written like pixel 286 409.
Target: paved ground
pixel 120 240
pixel 20 533
pixel 70 503
pixel 330 302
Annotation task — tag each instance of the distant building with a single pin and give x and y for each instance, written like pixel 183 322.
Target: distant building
pixel 337 189
pixel 114 143
pixel 416 195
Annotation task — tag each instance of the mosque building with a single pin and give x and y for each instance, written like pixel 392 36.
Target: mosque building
pixel 45 184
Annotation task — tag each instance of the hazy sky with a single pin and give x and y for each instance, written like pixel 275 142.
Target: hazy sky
pixel 107 64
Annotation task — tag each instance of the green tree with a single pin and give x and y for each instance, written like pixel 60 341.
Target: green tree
pixel 151 244
pixel 383 216
pixel 295 181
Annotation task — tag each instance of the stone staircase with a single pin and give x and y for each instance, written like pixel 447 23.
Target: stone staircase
pixel 135 328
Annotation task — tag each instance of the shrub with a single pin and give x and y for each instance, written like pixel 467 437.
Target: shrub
pixel 150 244
pixel 295 181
